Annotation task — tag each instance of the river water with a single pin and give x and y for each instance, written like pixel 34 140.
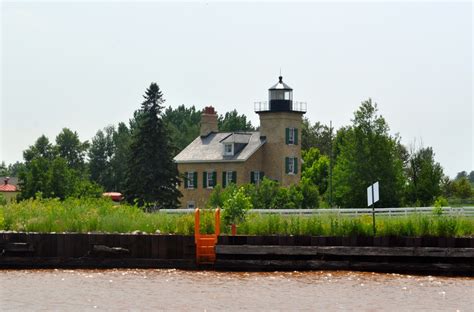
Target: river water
pixel 176 290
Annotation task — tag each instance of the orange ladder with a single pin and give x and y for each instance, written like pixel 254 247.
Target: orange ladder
pixel 206 243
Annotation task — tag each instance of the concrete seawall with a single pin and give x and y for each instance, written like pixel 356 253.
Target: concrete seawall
pixel 249 253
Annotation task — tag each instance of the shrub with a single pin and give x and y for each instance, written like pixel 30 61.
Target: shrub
pixel 236 207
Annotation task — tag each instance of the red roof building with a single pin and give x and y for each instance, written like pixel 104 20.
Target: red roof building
pixel 6 187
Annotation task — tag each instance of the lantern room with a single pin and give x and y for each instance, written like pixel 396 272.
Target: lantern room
pixel 280 97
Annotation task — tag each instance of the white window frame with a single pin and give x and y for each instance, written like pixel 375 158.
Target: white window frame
pixel 191 204
pixel 228 177
pixel 291 136
pixel 190 178
pixel 256 177
pixel 231 152
pixel 291 165
pixel 210 180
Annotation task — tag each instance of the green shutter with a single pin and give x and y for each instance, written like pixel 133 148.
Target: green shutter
pixel 195 178
pixel 296 136
pixel 262 174
pixel 204 179
pixel 214 179
pixel 286 164
pixel 252 177
pixel 224 182
pixel 185 180
pixel 287 135
pixel 295 165
pixel 234 177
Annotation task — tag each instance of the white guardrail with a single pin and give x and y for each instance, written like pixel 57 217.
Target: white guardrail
pixel 452 211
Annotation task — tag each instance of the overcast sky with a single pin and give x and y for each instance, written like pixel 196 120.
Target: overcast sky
pixel 86 65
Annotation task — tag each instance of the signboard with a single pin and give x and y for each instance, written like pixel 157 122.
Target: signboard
pixel 373 194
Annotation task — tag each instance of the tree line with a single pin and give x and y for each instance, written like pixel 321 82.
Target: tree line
pixel 136 159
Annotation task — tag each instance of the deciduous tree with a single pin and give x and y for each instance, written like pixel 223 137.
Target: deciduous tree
pixel 368 154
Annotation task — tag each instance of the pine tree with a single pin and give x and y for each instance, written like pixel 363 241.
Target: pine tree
pixel 152 175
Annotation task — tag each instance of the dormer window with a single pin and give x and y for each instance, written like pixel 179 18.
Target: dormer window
pixel 228 149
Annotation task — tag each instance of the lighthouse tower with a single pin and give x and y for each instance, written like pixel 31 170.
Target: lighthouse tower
pixel 280 125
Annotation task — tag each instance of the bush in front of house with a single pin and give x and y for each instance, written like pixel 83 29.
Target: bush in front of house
pixel 269 194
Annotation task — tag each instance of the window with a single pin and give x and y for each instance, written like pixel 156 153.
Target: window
pixel 209 179
pixel 291 165
pixel 191 205
pixel 229 177
pixel 291 136
pixel 190 180
pixel 228 149
pixel 256 177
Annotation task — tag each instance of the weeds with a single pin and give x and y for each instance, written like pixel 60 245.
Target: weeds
pixel 102 215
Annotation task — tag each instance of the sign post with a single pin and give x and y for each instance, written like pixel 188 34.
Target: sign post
pixel 372 198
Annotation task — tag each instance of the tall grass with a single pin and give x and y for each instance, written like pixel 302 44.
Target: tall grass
pixel 102 215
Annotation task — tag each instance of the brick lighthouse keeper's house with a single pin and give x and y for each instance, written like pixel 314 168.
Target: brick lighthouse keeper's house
pixel 244 157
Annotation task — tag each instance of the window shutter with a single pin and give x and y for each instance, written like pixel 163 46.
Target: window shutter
pixel 286 164
pixel 287 135
pixel 214 178
pixel 224 180
pixel 296 136
pixel 295 165
pixel 195 178
pixel 262 174
pixel 252 177
pixel 204 179
pixel 186 180
pixel 234 177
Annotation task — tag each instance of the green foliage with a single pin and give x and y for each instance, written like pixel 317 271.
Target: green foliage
pixel 152 175
pixel 47 171
pixel 69 147
pixel 424 177
pixel 3 200
pixel 315 168
pixel 232 121
pixel 269 194
pixel 367 153
pixel 235 207
pixel 220 195
pixel 462 188
pixel 108 157
pixel 441 202
pixel 102 215
pixel 183 124
pixel 316 136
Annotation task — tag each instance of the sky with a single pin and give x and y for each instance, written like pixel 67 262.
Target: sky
pixel 86 65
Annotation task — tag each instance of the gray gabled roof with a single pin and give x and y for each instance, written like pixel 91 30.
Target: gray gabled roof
pixel 237 137
pixel 211 148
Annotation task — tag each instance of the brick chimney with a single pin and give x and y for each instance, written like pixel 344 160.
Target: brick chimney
pixel 208 121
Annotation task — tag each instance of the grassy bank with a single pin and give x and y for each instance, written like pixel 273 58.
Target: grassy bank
pixel 101 215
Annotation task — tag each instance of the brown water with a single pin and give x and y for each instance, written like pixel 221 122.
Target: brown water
pixel 84 290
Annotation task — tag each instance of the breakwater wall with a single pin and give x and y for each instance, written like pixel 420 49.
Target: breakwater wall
pixel 75 250
pixel 383 254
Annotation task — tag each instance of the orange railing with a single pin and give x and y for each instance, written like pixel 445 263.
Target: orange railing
pixel 206 243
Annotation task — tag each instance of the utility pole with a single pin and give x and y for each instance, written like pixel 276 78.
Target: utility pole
pixel 330 163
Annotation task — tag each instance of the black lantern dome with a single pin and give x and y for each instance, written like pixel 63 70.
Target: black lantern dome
pixel 280 97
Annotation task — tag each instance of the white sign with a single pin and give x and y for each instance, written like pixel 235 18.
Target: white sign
pixel 373 194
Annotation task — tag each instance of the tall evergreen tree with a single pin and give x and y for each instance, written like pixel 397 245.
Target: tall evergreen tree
pixel 152 175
